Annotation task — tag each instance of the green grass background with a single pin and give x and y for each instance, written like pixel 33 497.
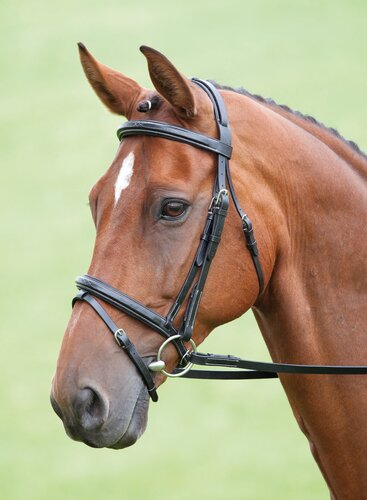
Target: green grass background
pixel 205 440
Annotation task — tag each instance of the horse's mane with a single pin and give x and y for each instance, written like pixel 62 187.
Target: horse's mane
pixel 311 119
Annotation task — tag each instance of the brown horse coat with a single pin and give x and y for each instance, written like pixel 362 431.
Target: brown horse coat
pixel 305 190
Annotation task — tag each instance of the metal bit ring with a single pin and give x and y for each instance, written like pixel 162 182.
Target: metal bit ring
pixel 160 363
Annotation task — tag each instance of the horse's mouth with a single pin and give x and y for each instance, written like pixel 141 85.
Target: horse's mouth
pixel 137 424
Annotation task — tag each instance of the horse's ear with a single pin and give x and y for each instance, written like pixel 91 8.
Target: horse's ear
pixel 170 83
pixel 118 92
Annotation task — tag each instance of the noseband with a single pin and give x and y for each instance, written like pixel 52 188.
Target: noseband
pixel 91 288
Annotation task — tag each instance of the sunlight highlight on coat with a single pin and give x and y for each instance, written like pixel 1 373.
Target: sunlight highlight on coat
pixel 124 176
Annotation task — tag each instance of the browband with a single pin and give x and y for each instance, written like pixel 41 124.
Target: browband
pixel 174 133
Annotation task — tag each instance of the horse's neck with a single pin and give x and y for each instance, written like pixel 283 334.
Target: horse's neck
pixel 309 208
pixel 313 204
pixel 344 149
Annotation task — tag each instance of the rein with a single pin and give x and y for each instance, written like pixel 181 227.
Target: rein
pixel 91 288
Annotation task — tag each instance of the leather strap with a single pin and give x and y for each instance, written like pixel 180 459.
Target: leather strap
pixel 126 304
pixel 248 232
pixel 263 369
pixel 123 341
pixel 174 133
pixel 218 215
pixel 226 375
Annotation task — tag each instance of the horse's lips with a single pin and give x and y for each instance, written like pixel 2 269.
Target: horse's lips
pixel 131 434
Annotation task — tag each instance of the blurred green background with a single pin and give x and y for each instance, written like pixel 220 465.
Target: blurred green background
pixel 205 440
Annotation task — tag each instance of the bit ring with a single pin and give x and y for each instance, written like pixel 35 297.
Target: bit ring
pixel 160 350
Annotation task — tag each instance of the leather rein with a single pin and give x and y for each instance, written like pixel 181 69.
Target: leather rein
pixel 92 288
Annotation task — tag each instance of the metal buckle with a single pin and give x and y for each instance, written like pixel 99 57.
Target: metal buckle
pixel 217 199
pixel 116 334
pixel 159 364
pixel 246 223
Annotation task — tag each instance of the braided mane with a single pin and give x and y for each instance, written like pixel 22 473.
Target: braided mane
pixel 271 102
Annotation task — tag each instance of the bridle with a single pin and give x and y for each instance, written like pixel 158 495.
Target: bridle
pixel 92 288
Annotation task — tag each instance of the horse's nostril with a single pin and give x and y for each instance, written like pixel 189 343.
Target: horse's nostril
pixel 91 409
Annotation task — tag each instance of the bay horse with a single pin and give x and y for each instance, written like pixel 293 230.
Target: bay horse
pixel 304 190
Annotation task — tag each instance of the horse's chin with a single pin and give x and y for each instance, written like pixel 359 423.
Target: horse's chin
pixel 137 424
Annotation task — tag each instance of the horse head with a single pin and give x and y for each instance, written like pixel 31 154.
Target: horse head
pixel 149 210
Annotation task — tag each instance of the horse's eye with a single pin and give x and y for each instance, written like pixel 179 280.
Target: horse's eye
pixel 173 209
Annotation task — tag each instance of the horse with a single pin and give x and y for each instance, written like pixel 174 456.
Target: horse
pixel 304 189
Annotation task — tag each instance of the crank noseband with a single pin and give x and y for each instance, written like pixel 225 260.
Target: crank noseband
pixel 91 288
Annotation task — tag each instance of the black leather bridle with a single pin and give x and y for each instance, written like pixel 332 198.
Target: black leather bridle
pixel 92 288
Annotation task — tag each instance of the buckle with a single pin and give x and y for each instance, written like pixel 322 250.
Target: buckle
pixel 119 334
pixel 246 223
pixel 216 200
